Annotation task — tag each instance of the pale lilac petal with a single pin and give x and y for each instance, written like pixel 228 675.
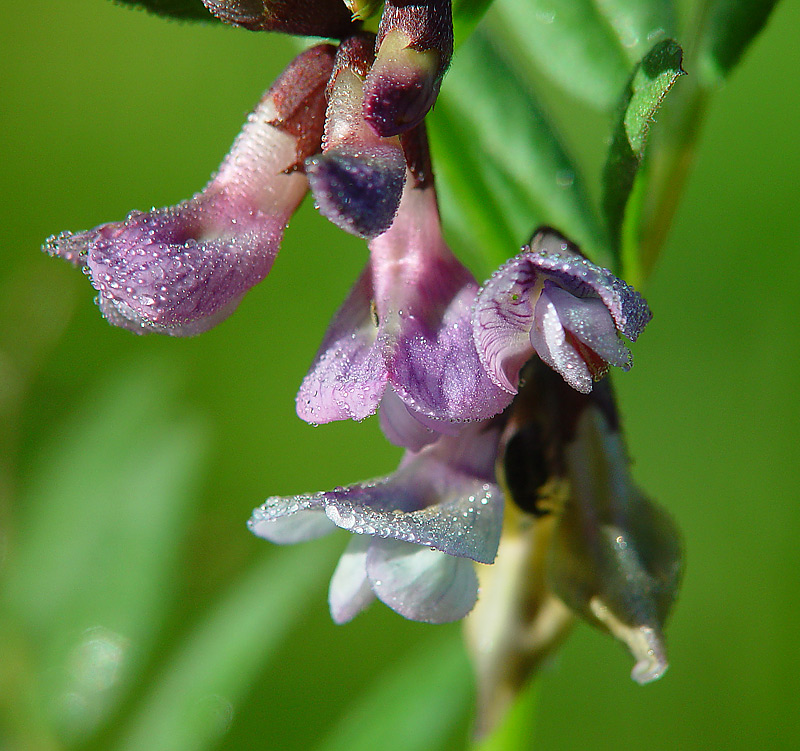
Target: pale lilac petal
pixel 549 340
pixel 350 589
pixel 557 258
pixel 400 426
pixel 589 321
pixel 440 497
pixel 348 376
pixel 286 521
pixel 421 584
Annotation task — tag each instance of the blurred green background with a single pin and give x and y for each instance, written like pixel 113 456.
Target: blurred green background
pixel 139 613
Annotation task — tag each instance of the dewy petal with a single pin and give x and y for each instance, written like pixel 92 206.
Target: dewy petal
pixel 443 497
pixel 358 180
pixel 350 589
pixel 286 521
pixel 348 376
pixel 421 584
pixel 400 426
pixel 320 18
pixel 180 270
pixel 414 47
pixel 423 296
pixel 538 296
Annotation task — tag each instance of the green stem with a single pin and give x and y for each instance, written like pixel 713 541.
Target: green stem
pixel 517 730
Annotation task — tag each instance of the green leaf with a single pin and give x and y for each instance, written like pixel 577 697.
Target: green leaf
pixel 731 27
pixel 100 530
pixel 588 47
pixel 414 705
pixel 503 167
pixel 645 91
pixel 466 15
pixel 186 10
pixel 191 704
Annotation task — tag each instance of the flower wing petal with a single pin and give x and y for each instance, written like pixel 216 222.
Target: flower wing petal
pixel 350 590
pixel 421 584
pixel 348 376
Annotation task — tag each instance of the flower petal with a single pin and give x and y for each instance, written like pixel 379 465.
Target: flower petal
pixel 286 521
pixel 357 181
pixel 350 590
pixel 423 296
pixel 439 497
pixel 421 584
pixel 180 270
pixel 534 299
pixel 348 376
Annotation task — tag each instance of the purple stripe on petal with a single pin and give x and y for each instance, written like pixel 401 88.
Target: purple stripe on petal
pixel 551 301
pixel 421 584
pixel 423 296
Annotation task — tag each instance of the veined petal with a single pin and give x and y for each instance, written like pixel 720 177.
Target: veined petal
pixel 181 270
pixel 421 584
pixel 348 377
pixel 350 590
pixel 286 521
pixel 551 301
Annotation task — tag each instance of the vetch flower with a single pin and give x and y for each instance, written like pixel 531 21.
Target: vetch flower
pixel 417 531
pixel 403 339
pixel 181 270
pixel 551 301
pixel 414 48
pixel 357 181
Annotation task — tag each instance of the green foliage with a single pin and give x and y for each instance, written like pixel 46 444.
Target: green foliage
pixel 585 46
pixel 502 161
pixel 185 10
pixel 732 25
pixel 649 84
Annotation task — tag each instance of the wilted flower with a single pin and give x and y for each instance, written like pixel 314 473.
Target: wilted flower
pixel 417 531
pixel 551 301
pixel 580 538
pixel 183 269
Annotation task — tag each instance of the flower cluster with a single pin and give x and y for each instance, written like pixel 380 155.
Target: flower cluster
pixel 450 367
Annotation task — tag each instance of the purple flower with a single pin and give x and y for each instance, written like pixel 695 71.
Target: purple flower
pixel 550 301
pixel 417 531
pixel 357 181
pixel 403 339
pixel 183 269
